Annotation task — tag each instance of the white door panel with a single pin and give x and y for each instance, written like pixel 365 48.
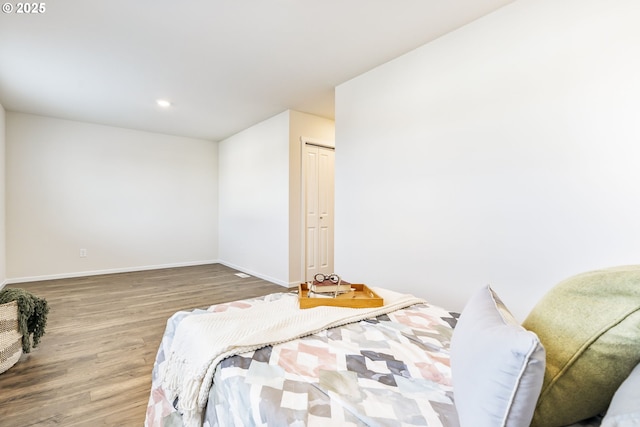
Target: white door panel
pixel 319 205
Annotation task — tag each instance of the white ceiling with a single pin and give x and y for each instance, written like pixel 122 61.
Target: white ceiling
pixel 224 64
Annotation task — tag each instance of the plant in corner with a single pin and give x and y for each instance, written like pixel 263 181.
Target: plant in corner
pixel 32 315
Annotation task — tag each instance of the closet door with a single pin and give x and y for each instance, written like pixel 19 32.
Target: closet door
pixel 319 218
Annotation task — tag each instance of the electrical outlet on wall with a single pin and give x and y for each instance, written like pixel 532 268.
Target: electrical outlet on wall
pixel 83 252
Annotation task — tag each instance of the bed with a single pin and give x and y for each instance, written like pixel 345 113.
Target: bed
pixel 408 363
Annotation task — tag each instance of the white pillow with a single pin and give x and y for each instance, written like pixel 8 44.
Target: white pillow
pixel 624 410
pixel 497 366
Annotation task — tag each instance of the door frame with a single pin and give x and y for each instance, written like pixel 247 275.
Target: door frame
pixel 304 141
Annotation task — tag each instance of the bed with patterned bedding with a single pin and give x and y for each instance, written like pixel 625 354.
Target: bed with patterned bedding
pixel 408 364
pixel 390 370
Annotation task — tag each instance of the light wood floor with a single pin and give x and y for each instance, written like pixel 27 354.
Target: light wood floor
pixel 93 366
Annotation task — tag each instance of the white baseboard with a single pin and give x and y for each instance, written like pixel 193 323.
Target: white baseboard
pixel 256 274
pixel 108 271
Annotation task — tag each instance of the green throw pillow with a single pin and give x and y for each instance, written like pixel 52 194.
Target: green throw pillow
pixel 589 326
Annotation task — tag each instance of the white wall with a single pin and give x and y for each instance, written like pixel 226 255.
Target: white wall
pixel 503 153
pixel 3 238
pixel 133 199
pixel 260 206
pixel 254 200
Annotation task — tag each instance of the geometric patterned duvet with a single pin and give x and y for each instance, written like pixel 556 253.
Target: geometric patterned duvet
pixel 392 370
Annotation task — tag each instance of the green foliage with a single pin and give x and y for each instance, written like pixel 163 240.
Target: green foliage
pixel 32 315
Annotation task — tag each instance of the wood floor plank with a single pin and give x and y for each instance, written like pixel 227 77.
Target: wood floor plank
pixel 93 366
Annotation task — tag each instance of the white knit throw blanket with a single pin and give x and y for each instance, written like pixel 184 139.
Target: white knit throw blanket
pixel 202 341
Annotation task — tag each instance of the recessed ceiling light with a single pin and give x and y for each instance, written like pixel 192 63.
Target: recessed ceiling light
pixel 163 103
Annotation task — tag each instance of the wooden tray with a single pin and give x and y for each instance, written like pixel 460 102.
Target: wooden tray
pixel 362 297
